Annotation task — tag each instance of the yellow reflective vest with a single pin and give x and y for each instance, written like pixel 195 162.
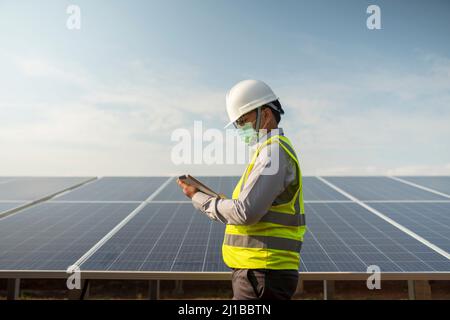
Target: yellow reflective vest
pixel 275 241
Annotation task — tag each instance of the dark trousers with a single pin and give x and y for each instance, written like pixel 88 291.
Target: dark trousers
pixel 264 284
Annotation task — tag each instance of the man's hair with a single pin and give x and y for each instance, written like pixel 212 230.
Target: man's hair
pixel 276 113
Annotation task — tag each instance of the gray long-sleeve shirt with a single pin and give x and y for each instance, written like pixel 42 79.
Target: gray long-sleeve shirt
pixel 259 191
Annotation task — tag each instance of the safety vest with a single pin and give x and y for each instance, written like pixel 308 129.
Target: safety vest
pixel 275 241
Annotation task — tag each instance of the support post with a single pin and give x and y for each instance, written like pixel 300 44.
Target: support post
pixel 411 293
pixel 13 290
pixel 328 289
pixel 419 290
pixel 300 288
pixel 178 290
pixel 85 290
pixel 153 290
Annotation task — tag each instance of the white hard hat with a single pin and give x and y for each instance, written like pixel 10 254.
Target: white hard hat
pixel 246 96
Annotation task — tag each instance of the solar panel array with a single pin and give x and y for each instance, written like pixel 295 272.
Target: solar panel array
pixel 146 224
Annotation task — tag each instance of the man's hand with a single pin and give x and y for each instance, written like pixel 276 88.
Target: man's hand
pixel 188 190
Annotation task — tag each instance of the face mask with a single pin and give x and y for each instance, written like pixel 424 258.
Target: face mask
pixel 247 133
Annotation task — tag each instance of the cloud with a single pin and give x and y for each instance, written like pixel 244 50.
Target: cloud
pixel 105 127
pixel 372 123
pixel 376 122
pixel 41 68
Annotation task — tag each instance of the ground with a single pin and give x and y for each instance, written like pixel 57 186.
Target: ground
pixel 108 289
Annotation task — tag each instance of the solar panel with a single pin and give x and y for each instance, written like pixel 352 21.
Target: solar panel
pixel 5 206
pixel 429 220
pixel 381 188
pixel 342 237
pixel 316 190
pixel 345 237
pixel 116 189
pixel 168 237
pixel 53 236
pixel 29 189
pixel 441 184
pixel 223 185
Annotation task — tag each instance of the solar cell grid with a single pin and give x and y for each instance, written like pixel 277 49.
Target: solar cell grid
pixel 53 236
pixel 342 237
pixel 315 190
pixel 429 220
pixel 169 237
pixel 350 239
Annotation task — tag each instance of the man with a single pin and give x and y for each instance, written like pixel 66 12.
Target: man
pixel 265 217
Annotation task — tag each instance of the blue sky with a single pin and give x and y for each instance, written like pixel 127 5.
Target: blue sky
pixel 104 100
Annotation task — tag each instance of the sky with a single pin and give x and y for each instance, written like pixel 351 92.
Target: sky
pixel 105 99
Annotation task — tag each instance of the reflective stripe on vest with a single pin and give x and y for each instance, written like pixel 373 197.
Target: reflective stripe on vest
pixel 275 241
pixel 238 240
pixel 286 219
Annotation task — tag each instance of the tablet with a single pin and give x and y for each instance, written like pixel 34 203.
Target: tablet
pixel 190 180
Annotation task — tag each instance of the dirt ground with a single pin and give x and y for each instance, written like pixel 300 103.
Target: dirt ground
pixel 108 289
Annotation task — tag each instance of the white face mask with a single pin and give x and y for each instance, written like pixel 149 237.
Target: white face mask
pixel 247 133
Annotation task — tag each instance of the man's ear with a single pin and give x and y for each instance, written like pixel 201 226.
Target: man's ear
pixel 267 114
pixel 266 117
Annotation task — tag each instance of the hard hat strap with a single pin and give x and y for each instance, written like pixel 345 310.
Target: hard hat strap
pixel 258 122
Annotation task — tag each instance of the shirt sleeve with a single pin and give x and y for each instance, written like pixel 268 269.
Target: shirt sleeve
pixel 268 178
